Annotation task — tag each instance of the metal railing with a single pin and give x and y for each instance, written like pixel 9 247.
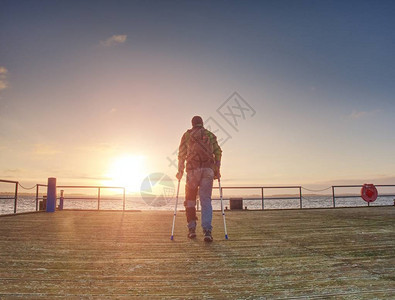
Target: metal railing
pixel 262 190
pixel 295 195
pixel 346 196
pixel 99 196
pixel 15 198
pixel 300 197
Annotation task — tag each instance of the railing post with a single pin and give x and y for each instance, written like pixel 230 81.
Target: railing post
pixel 51 195
pixel 61 200
pixel 300 197
pixel 98 199
pixel 124 199
pixel 16 197
pixel 37 187
pixel 333 196
pixel 263 203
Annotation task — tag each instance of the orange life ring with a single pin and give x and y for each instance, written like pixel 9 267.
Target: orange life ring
pixel 369 192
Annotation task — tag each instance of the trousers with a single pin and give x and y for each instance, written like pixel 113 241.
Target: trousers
pixel 199 180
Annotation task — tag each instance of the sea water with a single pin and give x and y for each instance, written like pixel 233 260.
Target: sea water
pixel 28 203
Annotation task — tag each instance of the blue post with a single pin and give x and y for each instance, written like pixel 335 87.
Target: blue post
pixel 51 195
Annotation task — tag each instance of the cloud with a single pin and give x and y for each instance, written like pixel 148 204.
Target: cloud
pixel 41 149
pixel 3 78
pixel 114 40
pixel 358 114
pixel 3 70
pixel 13 171
pixel 384 179
pixel 12 174
pixel 3 84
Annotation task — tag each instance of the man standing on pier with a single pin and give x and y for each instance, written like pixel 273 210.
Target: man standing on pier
pixel 200 149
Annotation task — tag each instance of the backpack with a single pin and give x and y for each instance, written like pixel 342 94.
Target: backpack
pixel 199 149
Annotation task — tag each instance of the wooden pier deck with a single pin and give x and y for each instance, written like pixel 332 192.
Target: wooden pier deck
pixel 327 253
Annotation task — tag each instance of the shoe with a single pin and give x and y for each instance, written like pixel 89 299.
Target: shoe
pixel 192 233
pixel 207 236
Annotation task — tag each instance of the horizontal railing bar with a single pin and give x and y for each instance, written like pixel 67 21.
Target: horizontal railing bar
pixel 348 196
pixel 223 187
pixel 259 187
pixel 377 185
pixel 90 198
pixel 89 186
pixel 256 199
pixel 7 198
pixel 85 186
pixel 8 181
pixel 356 196
pixel 279 198
pixel 80 198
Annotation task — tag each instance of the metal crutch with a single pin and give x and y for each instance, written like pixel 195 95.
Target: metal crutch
pixel 175 211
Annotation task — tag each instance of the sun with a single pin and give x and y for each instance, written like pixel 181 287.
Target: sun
pixel 127 171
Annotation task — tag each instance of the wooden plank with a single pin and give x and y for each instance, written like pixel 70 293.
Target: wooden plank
pixel 295 253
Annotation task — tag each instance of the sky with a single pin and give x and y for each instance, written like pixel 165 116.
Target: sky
pixel 100 92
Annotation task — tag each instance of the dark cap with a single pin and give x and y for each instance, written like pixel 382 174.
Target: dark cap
pixel 197 121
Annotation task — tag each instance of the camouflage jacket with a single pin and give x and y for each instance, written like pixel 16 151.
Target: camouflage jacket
pixel 183 151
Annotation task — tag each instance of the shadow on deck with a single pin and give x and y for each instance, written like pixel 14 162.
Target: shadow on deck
pixel 342 253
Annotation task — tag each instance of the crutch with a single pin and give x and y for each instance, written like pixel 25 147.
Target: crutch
pixel 222 208
pixel 175 210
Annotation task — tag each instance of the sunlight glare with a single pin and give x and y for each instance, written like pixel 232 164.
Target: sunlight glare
pixel 127 171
